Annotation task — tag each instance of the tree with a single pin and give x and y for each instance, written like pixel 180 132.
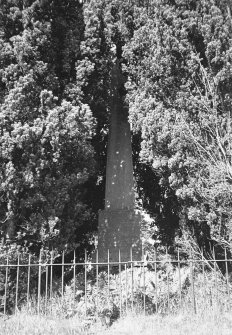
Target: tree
pixel 46 153
pixel 178 50
pixel 56 59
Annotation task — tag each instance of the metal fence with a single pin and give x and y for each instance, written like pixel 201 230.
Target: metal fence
pixel 160 283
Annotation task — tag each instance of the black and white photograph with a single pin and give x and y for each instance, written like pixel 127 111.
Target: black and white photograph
pixel 115 167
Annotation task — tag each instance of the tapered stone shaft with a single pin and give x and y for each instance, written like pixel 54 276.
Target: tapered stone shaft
pixel 119 223
pixel 119 192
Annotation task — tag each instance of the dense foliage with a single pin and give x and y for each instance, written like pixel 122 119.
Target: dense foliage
pixel 55 64
pixel 179 91
pixel 46 129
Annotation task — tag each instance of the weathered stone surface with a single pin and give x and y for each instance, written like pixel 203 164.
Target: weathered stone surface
pixel 119 230
pixel 119 223
pixel 119 192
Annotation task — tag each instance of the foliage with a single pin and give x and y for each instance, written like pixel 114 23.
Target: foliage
pixel 175 56
pixel 209 322
pixel 179 92
pixel 46 154
pixel 55 99
pixel 13 279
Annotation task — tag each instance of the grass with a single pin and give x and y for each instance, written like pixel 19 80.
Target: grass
pixel 23 324
pixel 174 325
pixel 211 301
pixel 210 322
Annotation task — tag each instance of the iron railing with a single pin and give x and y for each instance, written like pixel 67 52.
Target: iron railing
pixel 159 283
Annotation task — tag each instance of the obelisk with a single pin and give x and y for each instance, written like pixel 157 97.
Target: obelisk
pixel 119 222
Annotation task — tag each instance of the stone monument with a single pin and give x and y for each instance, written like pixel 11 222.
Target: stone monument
pixel 119 222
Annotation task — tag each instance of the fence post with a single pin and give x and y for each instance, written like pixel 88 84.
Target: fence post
pixel 97 282
pixel 46 287
pixel 156 282
pixel 85 283
pixel 120 282
pixel 6 283
pixel 108 278
pixel 17 286
pixel 51 262
pixel 215 277
pixel 28 279
pixel 227 279
pixel 144 286
pixel 179 275
pixel 62 276
pixel 74 275
pixel 203 272
pixel 132 281
pixel 39 281
pixel 168 264
pixel 126 288
pixel 192 281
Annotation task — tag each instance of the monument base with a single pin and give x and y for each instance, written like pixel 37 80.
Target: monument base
pixel 119 229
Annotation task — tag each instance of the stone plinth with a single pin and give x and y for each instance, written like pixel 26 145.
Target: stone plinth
pixel 119 229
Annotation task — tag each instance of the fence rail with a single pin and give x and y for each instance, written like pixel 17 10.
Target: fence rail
pixel 158 283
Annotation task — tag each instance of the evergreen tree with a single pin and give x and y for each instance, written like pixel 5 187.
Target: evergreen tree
pixel 179 90
pixel 46 154
pixel 55 63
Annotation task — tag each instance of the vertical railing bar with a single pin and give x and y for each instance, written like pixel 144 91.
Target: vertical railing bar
pixel 203 272
pixel 46 289
pixel 194 296
pixel 179 276
pixel 140 275
pixel 28 279
pixel 39 282
pixel 215 277
pixel 156 283
pixel 51 279
pixel 126 288
pixel 6 283
pixel 17 286
pixel 62 276
pixel 108 277
pixel 85 282
pixel 211 300
pixel 132 281
pixel 74 275
pixel 227 278
pixel 168 262
pixel 144 288
pixel 97 270
pixel 120 282
pixel 192 281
